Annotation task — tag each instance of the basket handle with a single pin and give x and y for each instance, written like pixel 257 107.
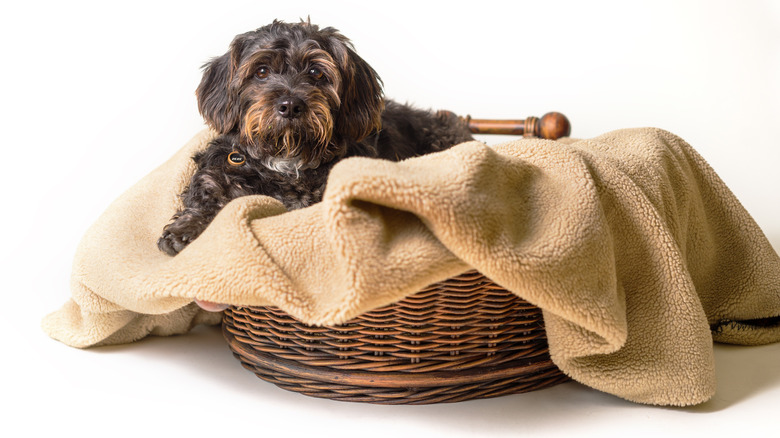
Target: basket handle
pixel 551 126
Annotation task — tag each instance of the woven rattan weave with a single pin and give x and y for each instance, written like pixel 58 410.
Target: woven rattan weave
pixel 461 339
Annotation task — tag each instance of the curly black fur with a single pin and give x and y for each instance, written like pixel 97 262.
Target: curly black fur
pixel 292 100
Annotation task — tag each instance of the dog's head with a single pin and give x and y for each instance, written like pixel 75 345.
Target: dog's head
pixel 292 91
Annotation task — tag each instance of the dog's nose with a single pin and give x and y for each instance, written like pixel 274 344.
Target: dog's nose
pixel 290 107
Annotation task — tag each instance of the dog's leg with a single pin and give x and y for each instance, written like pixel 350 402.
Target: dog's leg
pixel 186 226
pixel 207 193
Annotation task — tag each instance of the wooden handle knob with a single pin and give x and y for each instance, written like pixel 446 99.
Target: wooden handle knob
pixel 551 126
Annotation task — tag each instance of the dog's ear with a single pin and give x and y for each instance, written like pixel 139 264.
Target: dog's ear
pixel 362 102
pixel 217 96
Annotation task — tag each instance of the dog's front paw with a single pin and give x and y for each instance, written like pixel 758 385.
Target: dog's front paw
pixel 173 243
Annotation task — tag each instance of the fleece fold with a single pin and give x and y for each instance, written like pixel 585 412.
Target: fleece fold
pixel 635 250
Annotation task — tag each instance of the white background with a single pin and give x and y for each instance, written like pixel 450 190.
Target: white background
pixel 95 95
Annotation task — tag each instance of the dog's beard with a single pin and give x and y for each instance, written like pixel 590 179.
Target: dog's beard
pixel 306 138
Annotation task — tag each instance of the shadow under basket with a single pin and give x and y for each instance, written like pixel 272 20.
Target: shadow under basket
pixel 461 339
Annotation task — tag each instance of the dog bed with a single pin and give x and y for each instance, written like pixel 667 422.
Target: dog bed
pixel 635 251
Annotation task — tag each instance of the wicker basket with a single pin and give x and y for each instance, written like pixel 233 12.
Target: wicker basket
pixel 461 339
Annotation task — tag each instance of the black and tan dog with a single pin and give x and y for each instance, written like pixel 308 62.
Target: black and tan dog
pixel 289 101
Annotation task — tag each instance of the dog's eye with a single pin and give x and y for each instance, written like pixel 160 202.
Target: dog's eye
pixel 262 72
pixel 316 73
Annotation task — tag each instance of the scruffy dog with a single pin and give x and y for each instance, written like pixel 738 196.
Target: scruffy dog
pixel 289 101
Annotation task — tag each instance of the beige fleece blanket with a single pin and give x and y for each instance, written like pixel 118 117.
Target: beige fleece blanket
pixel 629 242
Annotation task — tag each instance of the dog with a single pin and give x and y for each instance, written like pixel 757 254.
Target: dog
pixel 289 101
